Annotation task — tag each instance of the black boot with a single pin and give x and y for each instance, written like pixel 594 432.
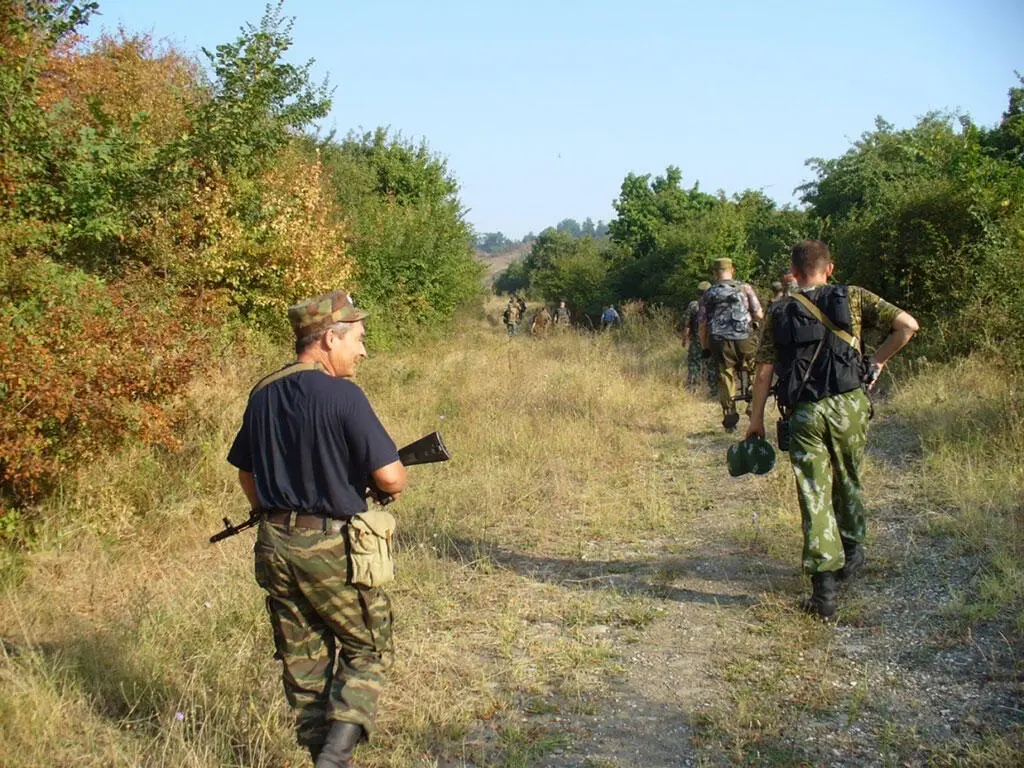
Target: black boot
pixel 340 744
pixel 855 559
pixel 730 421
pixel 822 601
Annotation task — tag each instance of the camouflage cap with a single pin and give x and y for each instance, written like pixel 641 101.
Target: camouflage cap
pixel 722 264
pixel 755 454
pixel 703 285
pixel 317 314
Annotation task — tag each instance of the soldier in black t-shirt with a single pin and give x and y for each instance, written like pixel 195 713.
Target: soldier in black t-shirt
pixel 309 448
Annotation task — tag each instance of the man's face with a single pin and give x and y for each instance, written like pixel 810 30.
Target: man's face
pixel 347 351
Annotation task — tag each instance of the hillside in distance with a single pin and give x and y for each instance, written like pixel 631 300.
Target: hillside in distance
pixel 499 262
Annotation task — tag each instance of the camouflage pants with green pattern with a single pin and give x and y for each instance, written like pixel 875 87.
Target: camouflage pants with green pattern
pixel 826 449
pixel 332 638
pixel 695 368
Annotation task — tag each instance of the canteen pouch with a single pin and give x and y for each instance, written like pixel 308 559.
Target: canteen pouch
pixel 782 432
pixel 370 540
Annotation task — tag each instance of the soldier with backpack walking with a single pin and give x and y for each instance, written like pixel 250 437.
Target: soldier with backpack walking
pixel 728 311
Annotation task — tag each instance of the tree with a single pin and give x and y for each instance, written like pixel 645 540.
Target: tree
pixel 570 227
pixel 259 101
pixel 412 247
pixel 493 242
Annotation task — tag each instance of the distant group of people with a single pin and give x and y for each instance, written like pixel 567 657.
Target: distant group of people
pixel 544 319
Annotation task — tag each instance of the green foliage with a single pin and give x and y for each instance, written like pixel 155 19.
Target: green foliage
pixel 412 248
pixel 514 279
pixel 561 266
pixel 143 208
pixel 931 218
pixel 259 101
pixel 667 237
pixel 29 29
pixel 493 242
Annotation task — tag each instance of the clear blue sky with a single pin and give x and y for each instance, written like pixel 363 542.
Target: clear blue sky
pixel 542 108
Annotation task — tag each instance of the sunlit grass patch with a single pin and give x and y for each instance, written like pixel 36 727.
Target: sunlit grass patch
pixel 969 417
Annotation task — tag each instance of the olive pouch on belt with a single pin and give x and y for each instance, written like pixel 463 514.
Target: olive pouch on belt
pixel 370 536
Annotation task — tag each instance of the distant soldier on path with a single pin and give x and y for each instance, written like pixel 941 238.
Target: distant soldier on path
pixel 561 319
pixel 511 316
pixel 728 311
pixel 610 318
pixel 541 322
pixel 811 339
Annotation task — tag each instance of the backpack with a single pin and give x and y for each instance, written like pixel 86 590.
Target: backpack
pixel 727 311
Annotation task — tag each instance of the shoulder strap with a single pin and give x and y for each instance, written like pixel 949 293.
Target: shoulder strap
pixel 288 370
pixel 820 316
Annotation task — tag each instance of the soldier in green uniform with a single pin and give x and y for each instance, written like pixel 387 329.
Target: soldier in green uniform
pixel 511 316
pixel 309 448
pixel 811 339
pixel 561 318
pixel 695 363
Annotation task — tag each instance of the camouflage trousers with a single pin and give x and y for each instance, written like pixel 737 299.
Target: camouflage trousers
pixel 511 328
pixel 732 356
pixel 695 368
pixel 333 638
pixel 826 449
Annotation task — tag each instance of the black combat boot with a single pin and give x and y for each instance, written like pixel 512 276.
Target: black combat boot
pixel 855 559
pixel 341 743
pixel 730 421
pixel 822 601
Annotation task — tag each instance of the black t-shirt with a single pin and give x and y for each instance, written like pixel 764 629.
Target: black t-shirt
pixel 311 440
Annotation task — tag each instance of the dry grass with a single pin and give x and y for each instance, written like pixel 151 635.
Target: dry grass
pixel 127 640
pixel 124 623
pixel 969 417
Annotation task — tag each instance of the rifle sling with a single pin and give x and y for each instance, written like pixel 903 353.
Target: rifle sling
pixel 820 316
pixel 288 370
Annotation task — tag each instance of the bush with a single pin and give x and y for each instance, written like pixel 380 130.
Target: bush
pixel 88 365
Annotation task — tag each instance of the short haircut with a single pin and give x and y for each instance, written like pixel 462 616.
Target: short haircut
pixel 342 329
pixel 810 257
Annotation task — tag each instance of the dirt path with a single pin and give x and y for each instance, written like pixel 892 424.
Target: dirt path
pixel 729 672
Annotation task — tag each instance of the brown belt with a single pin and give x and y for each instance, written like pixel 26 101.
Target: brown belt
pixel 304 520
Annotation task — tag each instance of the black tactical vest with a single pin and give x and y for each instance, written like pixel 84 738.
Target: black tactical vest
pixel 797 335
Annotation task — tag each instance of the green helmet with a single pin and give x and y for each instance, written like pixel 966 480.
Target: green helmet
pixel 755 454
